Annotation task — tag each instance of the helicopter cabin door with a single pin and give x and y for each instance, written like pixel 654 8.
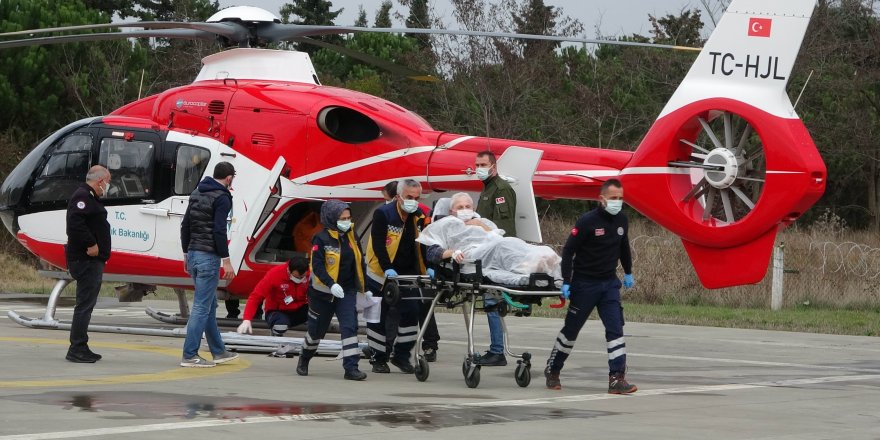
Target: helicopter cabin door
pixel 131 156
pixel 242 232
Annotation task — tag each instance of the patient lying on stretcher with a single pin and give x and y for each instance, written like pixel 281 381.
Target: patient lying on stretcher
pixel 466 238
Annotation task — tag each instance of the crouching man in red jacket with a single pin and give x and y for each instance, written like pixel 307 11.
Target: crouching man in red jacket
pixel 285 292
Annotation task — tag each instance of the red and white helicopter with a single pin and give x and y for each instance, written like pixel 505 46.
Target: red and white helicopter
pixel 726 165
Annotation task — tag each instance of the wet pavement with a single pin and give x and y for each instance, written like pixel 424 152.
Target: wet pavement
pixel 694 382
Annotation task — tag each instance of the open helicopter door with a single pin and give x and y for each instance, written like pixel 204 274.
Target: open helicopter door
pixel 517 165
pixel 242 234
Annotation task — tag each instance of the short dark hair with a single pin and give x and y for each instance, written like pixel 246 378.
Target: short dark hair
pixel 299 264
pixel 488 154
pixel 390 188
pixel 609 183
pixel 223 170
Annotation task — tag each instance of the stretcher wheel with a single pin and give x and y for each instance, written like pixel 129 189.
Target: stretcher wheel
pixel 422 370
pixel 472 380
pixel 391 293
pixel 523 375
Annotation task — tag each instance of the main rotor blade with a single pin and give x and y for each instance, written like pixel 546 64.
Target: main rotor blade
pixel 395 69
pixel 189 34
pixel 279 32
pixel 229 30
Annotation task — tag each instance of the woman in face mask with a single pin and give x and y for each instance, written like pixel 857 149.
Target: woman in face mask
pixel 337 276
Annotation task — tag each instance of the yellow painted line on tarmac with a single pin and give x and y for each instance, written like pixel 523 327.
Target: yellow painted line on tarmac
pixel 178 373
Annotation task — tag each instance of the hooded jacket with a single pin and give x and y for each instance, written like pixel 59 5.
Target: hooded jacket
pixel 204 224
pixel 336 256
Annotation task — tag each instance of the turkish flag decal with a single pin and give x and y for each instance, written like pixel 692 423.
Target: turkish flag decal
pixel 760 27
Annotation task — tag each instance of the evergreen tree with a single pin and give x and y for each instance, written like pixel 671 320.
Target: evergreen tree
pixel 314 12
pixel 383 16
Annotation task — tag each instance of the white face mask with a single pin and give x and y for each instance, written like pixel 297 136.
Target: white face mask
pixel 465 214
pixel 410 206
pixel 482 173
pixel 105 189
pixel 613 206
pixel 297 280
pixel 343 225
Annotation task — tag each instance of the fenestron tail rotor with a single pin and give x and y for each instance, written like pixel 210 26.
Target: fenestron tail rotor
pixel 726 166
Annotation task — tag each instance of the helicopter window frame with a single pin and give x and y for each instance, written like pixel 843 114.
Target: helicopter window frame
pixel 183 174
pixel 347 125
pixel 64 169
pixel 130 162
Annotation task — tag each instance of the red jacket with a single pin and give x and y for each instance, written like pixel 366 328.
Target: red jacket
pixel 271 289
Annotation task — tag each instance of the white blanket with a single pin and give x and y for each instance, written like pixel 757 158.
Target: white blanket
pixel 506 260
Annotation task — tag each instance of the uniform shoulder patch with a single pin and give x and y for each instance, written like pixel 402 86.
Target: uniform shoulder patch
pixel 499 200
pixel 574 232
pixel 81 205
pixel 314 248
pixel 620 230
pixel 600 232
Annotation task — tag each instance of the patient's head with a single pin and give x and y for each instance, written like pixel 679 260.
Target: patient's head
pixel 462 206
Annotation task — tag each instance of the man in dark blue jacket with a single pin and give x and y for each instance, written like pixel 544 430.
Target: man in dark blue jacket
pixel 87 250
pixel 203 236
pixel 599 239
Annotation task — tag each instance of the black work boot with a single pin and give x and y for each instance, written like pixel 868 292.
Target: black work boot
pixel 302 366
pixel 403 364
pixel 355 375
pixel 552 377
pixel 380 366
pixel 617 384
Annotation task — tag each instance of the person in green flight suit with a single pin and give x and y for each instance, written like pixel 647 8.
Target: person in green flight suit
pixel 498 204
pixel 497 201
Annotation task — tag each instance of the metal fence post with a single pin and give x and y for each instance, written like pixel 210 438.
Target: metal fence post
pixel 778 286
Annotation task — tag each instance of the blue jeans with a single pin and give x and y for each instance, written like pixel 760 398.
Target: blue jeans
pixel 204 268
pixel 496 332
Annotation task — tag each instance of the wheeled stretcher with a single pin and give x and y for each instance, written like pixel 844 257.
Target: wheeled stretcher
pixel 451 289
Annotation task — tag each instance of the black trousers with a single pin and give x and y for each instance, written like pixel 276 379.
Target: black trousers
pixel 88 275
pixel 432 335
pixel 395 333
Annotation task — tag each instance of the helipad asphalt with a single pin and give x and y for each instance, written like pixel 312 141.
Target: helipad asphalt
pixel 694 383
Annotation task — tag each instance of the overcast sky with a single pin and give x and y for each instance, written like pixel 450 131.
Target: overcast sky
pixel 615 17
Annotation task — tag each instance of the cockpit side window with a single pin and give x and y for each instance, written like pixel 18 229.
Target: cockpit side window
pixel 189 167
pixel 131 167
pixel 64 170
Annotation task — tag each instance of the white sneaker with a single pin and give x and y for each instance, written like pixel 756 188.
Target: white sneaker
pixel 226 356
pixel 197 362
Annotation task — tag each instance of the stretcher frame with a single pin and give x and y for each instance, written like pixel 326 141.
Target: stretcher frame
pixel 456 289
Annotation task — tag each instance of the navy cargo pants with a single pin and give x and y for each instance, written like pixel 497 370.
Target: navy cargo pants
pixel 587 294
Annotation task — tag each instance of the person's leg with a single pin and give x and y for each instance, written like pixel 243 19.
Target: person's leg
pixel 320 312
pixel 205 277
pixel 376 339
pixel 212 330
pixel 407 331
pixel 278 322
pixel 611 313
pixel 584 297
pixel 88 276
pixel 346 314
pixel 431 337
pixel 495 356
pixel 298 316
pixel 232 308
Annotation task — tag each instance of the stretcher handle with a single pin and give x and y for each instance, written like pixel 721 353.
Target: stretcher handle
pixel 559 305
pixel 513 303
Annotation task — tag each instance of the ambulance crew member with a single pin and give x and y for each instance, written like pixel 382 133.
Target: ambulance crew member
pixel 337 277
pixel 285 292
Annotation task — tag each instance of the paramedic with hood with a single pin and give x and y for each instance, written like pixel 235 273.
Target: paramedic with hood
pixel 337 277
pixel 598 240
pixel 393 251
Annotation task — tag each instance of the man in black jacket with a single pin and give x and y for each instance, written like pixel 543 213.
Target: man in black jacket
pixel 599 239
pixel 87 250
pixel 203 237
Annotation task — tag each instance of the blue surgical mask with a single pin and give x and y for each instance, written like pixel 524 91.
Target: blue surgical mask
pixel 482 173
pixel 613 206
pixel 410 206
pixel 343 225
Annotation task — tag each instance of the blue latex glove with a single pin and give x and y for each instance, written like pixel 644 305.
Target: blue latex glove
pixel 390 273
pixel 337 291
pixel 431 273
pixel 566 290
pixel 628 281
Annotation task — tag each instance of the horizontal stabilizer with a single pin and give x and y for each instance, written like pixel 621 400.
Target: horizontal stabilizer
pixel 733 266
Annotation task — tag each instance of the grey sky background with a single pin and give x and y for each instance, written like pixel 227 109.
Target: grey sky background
pixel 611 18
